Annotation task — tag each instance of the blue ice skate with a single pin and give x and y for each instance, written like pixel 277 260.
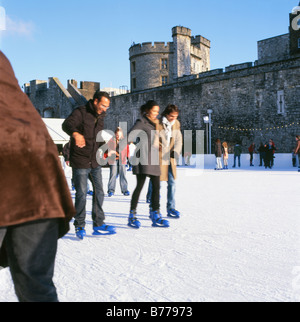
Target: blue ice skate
pixel 133 221
pixel 157 220
pixel 104 230
pixel 80 232
pixel 173 213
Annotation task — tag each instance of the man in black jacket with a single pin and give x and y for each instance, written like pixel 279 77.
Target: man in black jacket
pixel 83 125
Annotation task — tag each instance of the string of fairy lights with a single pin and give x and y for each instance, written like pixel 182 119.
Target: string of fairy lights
pixel 259 129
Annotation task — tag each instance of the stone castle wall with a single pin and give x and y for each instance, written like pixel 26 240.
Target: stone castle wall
pixel 274 49
pixel 52 99
pixel 245 103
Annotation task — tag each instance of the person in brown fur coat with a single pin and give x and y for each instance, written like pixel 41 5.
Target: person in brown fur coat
pixel 36 205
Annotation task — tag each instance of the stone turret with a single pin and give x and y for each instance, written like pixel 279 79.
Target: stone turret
pixel 156 64
pixel 182 51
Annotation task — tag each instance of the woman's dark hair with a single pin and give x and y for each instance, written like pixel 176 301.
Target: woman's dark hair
pixel 171 108
pixel 99 94
pixel 145 109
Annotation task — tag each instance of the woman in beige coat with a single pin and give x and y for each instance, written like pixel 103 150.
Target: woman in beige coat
pixel 170 150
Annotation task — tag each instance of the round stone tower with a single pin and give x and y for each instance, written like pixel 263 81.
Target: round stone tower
pixel 158 64
pixel 149 65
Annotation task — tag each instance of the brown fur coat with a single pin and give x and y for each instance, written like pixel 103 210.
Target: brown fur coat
pixel 32 181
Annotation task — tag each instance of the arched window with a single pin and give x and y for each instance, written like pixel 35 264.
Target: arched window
pixel 48 112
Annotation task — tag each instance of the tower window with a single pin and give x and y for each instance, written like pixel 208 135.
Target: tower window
pixel 164 63
pixel 134 83
pixel 299 43
pixel 133 66
pixel 164 80
pixel 280 102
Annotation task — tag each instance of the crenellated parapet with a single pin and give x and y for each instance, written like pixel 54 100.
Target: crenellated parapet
pixel 149 48
pixel 182 31
pixel 199 40
pixel 52 99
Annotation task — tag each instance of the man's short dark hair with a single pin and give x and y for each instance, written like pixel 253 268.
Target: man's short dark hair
pixel 171 108
pixel 99 94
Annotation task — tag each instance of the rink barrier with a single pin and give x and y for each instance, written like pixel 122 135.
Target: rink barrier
pixel 281 161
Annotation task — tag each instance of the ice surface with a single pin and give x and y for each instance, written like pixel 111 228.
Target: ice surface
pixel 237 240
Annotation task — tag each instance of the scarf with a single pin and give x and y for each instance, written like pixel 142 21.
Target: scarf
pixel 168 129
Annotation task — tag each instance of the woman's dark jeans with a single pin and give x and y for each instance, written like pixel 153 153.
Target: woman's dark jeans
pixel 141 178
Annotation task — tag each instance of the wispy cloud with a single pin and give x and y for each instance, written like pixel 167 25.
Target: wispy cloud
pixel 19 27
pixel 2 19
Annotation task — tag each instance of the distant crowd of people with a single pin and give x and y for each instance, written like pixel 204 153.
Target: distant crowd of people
pixel 266 154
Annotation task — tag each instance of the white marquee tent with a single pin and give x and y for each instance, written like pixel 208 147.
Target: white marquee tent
pixel 55 131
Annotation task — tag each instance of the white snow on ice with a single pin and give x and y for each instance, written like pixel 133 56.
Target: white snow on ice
pixel 237 240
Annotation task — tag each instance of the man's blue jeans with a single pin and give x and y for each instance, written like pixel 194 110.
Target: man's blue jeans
pixel 80 178
pixel 116 169
pixel 171 190
pixel 30 250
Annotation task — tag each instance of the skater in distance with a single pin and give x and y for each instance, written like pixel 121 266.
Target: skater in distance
pixel 118 152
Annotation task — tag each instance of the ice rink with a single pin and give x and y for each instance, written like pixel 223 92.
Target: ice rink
pixel 237 240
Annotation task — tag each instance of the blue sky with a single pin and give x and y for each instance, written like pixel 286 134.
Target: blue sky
pixel 89 40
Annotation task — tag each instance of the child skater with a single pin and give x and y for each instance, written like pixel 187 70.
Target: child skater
pixel 119 153
pixel 225 155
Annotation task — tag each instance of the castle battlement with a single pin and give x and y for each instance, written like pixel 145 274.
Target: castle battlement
pixel 183 31
pixel 149 47
pixel 43 94
pixel 36 85
pixel 200 40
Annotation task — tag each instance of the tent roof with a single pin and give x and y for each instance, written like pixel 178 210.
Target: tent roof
pixel 55 130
